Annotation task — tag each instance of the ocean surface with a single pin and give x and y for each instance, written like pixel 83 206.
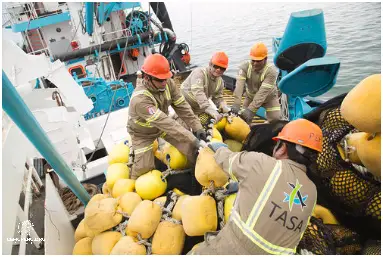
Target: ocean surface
pixel 353 32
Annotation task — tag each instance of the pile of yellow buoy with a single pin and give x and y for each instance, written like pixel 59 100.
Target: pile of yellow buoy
pixel 142 204
pixel 361 108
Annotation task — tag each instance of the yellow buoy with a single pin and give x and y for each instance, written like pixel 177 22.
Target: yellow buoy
pixel 103 243
pixel 238 129
pixel 97 197
pixel 105 189
pixel 361 106
pixel 168 239
pixel 144 219
pixel 150 185
pixel 177 191
pixel 199 215
pixel 129 201
pixel 216 135
pixel 220 125
pixel 207 170
pixel 325 215
pixel 160 200
pixel 82 231
pixel 115 172
pixel 228 205
pixel 176 213
pixel 83 247
pixel 119 154
pixel 369 153
pixel 233 145
pixel 128 246
pixel 123 186
pixel 102 215
pixel 178 160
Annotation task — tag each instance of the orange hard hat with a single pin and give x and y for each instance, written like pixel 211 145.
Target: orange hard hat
pixel 258 52
pixel 157 65
pixel 302 132
pixel 220 59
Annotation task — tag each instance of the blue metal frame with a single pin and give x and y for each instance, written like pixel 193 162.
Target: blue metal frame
pixel 16 108
pixel 41 22
pixel 89 8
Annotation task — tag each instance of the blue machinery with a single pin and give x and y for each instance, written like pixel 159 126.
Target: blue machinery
pixel 300 57
pixel 106 96
pixel 17 110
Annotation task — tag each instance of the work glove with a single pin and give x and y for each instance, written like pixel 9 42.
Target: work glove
pixel 216 145
pixel 235 108
pixel 224 108
pixel 247 115
pixel 201 134
pixel 214 114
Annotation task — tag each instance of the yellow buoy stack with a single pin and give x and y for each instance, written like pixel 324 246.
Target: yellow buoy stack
pixel 361 107
pixel 207 170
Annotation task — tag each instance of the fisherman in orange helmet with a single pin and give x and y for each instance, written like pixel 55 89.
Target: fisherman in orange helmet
pixel 206 83
pixel 149 116
pixel 275 198
pixel 260 78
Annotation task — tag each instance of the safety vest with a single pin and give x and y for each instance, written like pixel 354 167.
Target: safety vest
pixel 248 76
pixel 155 116
pixel 219 82
pixel 247 227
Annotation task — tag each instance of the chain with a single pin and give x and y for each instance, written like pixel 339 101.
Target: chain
pixel 142 241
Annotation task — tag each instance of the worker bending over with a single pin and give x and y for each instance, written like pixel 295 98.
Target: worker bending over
pixel 261 90
pixel 148 116
pixel 206 83
pixel 275 197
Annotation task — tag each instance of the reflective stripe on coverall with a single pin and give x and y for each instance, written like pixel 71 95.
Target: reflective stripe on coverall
pixel 261 89
pixel 148 120
pixel 198 87
pixel 272 208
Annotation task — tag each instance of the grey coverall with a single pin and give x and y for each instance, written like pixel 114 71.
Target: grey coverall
pixel 148 120
pixel 272 208
pixel 261 89
pixel 199 86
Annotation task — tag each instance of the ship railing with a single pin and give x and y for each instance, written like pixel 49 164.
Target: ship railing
pixel 126 33
pixel 40 51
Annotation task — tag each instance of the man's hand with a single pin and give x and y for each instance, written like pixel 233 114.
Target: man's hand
pixel 216 145
pixel 247 115
pixel 224 108
pixel 214 114
pixel 235 108
pixel 201 134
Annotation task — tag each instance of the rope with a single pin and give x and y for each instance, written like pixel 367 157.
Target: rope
pixel 70 200
pixel 284 107
pixel 167 211
pixel 126 215
pixel 148 245
pixel 122 227
pixel 220 198
pixel 210 189
pixel 169 172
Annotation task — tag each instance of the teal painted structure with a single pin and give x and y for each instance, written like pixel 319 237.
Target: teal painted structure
pixel 300 56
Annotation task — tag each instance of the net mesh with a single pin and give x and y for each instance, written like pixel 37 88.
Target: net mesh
pixel 372 247
pixel 317 238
